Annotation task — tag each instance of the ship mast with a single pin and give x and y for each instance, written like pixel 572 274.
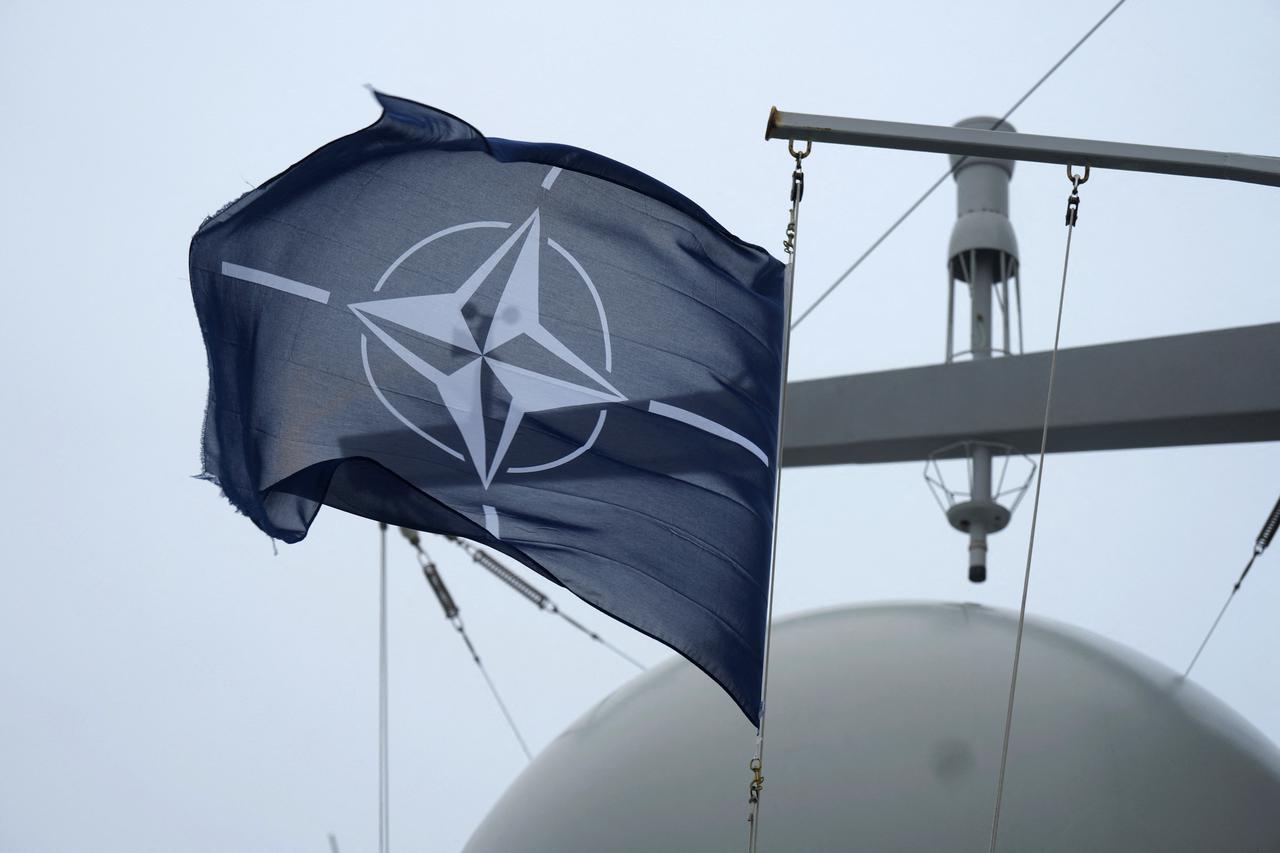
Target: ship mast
pixel 981 405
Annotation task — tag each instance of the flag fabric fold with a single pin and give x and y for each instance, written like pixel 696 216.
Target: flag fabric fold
pixel 527 345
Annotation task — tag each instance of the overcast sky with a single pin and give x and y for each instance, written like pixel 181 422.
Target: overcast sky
pixel 167 684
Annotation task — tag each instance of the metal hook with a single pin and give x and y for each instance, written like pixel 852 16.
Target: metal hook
pixel 1075 179
pixel 757 781
pixel 808 146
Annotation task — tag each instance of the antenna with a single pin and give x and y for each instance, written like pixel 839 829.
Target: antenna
pixel 983 254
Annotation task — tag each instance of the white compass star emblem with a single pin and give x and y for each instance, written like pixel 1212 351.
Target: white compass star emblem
pixel 442 318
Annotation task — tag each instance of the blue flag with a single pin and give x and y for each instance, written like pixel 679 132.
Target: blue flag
pixel 527 345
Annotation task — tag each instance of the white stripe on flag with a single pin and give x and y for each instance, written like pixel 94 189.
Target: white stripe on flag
pixel 276 282
pixel 707 425
pixel 491 520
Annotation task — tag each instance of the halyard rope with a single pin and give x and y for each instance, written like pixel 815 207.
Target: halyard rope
pixel 789 246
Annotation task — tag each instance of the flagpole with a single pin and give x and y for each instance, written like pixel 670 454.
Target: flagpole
pixel 384 779
pixel 788 287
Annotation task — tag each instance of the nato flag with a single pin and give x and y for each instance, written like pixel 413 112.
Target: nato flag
pixel 527 345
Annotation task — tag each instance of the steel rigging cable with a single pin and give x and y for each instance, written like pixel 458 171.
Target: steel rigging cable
pixel 530 592
pixel 1265 536
pixel 450 608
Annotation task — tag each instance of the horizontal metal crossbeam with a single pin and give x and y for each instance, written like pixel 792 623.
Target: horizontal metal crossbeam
pixel 1248 168
pixel 1204 388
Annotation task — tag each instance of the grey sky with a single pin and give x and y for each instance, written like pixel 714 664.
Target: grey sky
pixel 167 684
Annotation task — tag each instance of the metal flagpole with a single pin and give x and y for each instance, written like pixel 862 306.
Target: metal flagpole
pixel 788 286
pixel 384 779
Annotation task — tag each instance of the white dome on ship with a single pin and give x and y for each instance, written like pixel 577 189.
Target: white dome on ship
pixel 884 733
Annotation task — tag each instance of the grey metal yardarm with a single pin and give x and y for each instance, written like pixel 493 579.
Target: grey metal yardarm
pixel 966 140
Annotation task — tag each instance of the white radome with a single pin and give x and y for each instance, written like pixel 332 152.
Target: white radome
pixel 884 734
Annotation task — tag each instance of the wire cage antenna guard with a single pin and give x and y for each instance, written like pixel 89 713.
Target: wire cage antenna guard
pixel 963 451
pixel 978 510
